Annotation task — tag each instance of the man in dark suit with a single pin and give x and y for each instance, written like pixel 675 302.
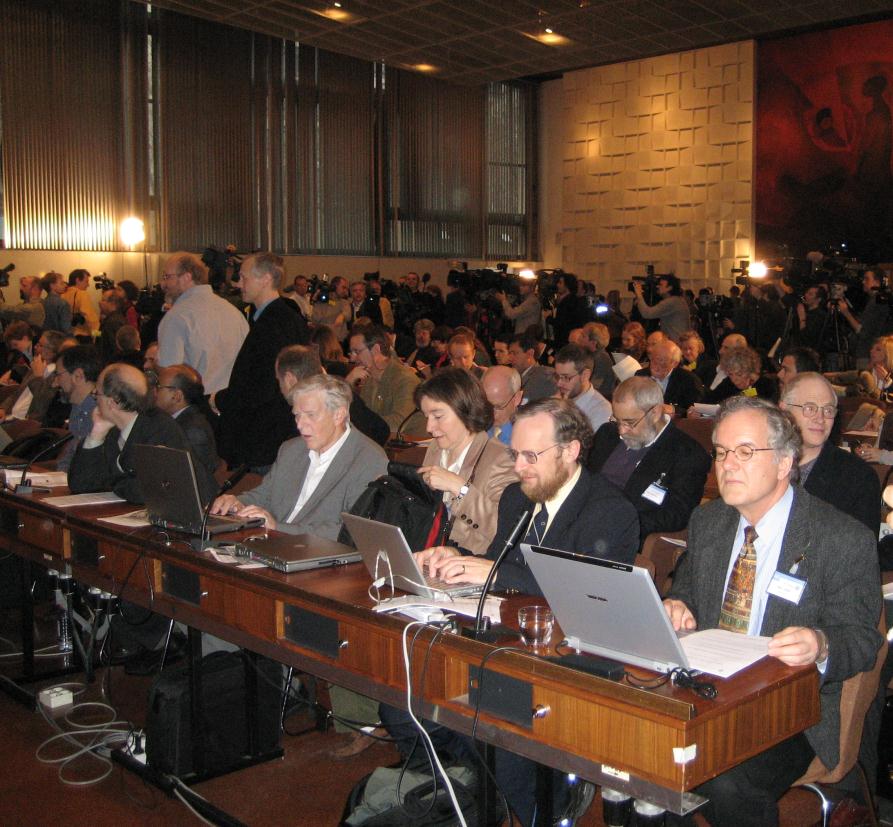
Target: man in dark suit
pixel 661 470
pixel 826 471
pixel 122 419
pixel 681 388
pixel 180 393
pixel 254 418
pixel 766 534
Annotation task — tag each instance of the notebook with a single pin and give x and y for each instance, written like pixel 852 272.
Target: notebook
pixel 166 477
pixel 387 554
pixel 607 608
pixel 298 552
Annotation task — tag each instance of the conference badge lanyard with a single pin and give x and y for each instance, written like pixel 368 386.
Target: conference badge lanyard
pixel 656 492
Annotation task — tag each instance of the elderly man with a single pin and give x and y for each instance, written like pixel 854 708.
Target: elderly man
pixel 537 381
pixel 317 475
pixel 181 394
pixel 254 418
pixel 201 329
pixel 77 369
pixel 681 388
pixel 104 460
pixel 502 387
pixel 770 559
pixel 573 369
pixel 826 471
pixel 384 383
pixel 661 470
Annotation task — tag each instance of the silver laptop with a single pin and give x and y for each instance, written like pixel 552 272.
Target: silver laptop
pixel 387 554
pixel 166 477
pixel 296 552
pixel 607 608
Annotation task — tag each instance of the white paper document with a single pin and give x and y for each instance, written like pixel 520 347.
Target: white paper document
pixel 705 409
pixel 97 498
pixel 132 519
pixel 421 609
pixel 46 479
pixel 722 653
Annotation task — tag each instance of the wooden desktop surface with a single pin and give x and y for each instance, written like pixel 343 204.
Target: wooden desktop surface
pixel 656 743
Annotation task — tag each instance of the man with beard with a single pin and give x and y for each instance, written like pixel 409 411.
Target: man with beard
pixel 661 470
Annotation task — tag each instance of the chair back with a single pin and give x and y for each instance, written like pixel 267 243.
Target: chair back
pixel 663 556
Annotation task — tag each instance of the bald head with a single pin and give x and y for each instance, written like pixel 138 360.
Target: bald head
pixel 731 341
pixel 502 387
pixel 124 393
pixel 665 358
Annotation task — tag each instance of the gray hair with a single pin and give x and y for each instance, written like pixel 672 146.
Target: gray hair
pixel 784 437
pixel 790 388
pixel 569 422
pixel 266 264
pixel 740 359
pixel 337 392
pixel 642 390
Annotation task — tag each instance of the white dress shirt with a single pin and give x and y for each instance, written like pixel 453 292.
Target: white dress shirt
pixel 319 464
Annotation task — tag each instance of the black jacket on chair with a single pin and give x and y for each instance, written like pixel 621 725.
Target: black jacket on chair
pixel 848 483
pixel 683 463
pixel 683 389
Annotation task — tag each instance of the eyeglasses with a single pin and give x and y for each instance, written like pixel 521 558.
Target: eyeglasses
pixel 505 404
pixel 530 457
pixel 810 409
pixel 744 453
pixel 170 275
pixel 96 394
pixel 567 377
pixel 625 423
pixel 168 387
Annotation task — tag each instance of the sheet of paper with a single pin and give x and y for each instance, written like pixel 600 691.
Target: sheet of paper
pixel 675 541
pixel 236 560
pixel 722 653
pixel 888 591
pixel 132 519
pixel 48 479
pixel 97 498
pixel 465 606
pixel 706 410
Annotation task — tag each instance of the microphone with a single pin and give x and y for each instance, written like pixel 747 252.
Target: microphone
pixel 398 441
pixel 24 487
pixel 199 543
pixel 483 634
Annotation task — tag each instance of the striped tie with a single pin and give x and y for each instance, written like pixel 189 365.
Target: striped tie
pixel 736 605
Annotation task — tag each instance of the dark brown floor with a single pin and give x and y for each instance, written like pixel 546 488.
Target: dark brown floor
pixel 306 787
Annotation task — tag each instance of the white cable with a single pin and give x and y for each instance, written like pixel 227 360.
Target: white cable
pixel 196 813
pixel 432 751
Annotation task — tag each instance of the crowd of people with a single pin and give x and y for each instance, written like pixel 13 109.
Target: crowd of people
pixel 571 409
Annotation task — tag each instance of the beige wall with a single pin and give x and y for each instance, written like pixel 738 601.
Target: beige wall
pixel 653 162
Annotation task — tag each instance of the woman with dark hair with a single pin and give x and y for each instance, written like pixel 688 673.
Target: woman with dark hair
pixel 19 343
pixel 132 294
pixel 469 467
pixel 329 347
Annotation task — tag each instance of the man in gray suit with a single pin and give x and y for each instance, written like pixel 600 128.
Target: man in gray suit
pixel 770 559
pixel 317 475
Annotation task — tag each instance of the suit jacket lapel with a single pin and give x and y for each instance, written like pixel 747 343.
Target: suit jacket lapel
pixel 469 466
pixel 339 467
pixel 719 539
pixel 571 508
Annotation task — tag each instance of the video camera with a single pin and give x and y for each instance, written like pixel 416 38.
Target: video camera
pixel 649 283
pixel 103 282
pixel 217 261
pixel 4 274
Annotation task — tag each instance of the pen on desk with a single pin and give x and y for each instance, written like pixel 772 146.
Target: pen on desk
pixel 793 569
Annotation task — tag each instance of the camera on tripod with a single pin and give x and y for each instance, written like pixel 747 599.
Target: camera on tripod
pixel 103 282
pixel 4 274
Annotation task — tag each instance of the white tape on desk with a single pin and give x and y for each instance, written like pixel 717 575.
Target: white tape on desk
pixel 682 755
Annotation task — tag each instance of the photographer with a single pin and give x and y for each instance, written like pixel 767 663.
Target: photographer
pixel 331 306
pixel 528 312
pixel 873 321
pixel 812 318
pixel 672 308
pixel 571 310
pixel 760 317
pixel 84 318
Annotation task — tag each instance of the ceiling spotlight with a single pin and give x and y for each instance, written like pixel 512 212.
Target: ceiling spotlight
pixel 758 270
pixel 337 12
pixel 426 68
pixel 527 274
pixel 132 232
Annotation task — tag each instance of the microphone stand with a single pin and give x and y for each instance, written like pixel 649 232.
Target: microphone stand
pixel 491 634
pixel 398 441
pixel 23 487
pixel 199 543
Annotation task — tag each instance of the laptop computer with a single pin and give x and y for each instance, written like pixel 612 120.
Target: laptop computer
pixel 296 552
pixel 387 554
pixel 166 477
pixel 607 608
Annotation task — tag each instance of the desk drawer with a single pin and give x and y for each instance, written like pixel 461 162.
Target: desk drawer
pixel 43 533
pixel 121 564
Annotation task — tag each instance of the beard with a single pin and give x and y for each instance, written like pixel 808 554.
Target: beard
pixel 546 489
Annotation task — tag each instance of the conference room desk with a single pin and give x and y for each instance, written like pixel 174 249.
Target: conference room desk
pixel 655 743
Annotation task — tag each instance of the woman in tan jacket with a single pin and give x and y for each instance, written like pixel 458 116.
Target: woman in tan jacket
pixel 470 469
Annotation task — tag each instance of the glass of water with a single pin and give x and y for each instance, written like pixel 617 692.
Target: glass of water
pixel 536 624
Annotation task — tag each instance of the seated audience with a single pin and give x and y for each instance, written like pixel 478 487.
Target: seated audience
pixel 383 382
pixel 37 393
pixel 77 369
pixel 330 350
pixel 105 461
pixel 573 367
pixel 502 386
pixel 469 467
pixel 424 354
pixel 298 362
pixel 763 523
pixel 19 350
pixel 633 342
pixel 181 394
pixel 462 355
pixel 596 338
pixel 692 347
pixel 713 376
pixel 797 360
pixel 537 381
pixel 318 474
pixel 150 357
pixel 661 470
pixel 876 380
pixel 127 346
pixel 681 388
pixel 741 365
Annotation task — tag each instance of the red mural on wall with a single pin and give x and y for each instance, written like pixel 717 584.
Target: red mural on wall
pixel 824 136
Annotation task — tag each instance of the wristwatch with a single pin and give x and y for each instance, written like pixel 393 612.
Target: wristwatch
pixel 822 654
pixel 463 491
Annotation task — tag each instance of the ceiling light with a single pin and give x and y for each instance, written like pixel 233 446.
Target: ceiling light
pixel 132 231
pixel 337 12
pixel 427 68
pixel 548 37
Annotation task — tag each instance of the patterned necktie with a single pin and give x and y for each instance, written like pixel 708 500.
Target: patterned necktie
pixel 736 605
pixel 537 530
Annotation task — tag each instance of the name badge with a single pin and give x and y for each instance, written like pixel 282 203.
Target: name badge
pixel 655 493
pixel 787 587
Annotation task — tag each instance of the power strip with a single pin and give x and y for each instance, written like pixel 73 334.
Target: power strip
pixel 55 697
pixel 136 745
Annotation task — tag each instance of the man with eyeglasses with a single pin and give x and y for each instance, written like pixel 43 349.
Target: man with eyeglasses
pixel 826 471
pixel 661 470
pixel 573 369
pixel 201 329
pixel 502 387
pixel 770 559
pixel 77 369
pixel 681 388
